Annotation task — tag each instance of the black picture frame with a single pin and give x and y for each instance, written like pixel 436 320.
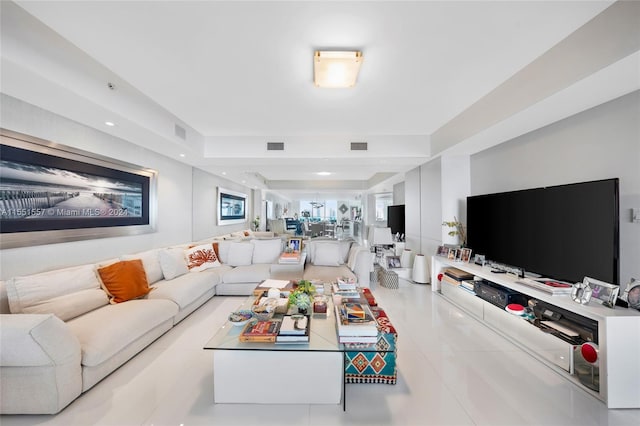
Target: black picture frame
pixel 53 193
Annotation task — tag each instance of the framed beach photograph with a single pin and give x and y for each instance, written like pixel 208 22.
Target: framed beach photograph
pixel 51 193
pixel 294 244
pixel 232 207
pixel 465 255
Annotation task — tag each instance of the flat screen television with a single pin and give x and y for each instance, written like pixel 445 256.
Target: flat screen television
pixel 395 219
pixel 561 232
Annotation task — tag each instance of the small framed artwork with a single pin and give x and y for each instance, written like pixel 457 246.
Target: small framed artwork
pixel 480 259
pixel 602 292
pixel 453 254
pixel 465 255
pixel 443 251
pixel 393 262
pixel 294 244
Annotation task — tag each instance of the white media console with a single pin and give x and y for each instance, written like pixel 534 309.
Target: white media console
pixel 618 332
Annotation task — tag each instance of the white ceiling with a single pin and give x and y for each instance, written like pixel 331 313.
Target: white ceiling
pixel 237 74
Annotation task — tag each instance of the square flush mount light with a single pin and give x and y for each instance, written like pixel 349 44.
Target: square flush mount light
pixel 336 69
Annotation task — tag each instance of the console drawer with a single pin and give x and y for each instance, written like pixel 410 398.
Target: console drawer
pixel 526 334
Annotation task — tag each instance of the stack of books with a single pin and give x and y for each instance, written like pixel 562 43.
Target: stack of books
pixel 548 286
pixel 292 258
pixel 294 329
pixel 345 294
pixel 356 324
pixel 345 283
pixel 455 276
pixel 261 331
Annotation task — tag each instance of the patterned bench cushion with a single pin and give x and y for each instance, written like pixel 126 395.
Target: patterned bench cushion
pixel 375 367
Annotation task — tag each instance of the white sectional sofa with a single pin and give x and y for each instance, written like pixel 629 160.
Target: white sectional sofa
pixel 60 335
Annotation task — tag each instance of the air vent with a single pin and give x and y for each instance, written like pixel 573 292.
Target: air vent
pixel 358 146
pixel 181 132
pixel 275 146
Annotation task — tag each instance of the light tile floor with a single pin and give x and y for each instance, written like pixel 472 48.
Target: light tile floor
pixel 452 371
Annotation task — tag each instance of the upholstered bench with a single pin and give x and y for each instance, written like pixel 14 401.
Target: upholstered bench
pixel 378 366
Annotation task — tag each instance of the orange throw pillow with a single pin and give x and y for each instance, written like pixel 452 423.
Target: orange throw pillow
pixel 124 280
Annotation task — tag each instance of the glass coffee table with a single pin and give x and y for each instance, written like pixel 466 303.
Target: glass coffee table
pixel 281 373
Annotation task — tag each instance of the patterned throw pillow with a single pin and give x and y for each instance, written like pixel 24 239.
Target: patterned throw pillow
pixel 201 257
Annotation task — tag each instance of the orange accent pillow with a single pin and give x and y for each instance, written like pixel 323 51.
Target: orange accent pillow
pixel 124 280
pixel 246 233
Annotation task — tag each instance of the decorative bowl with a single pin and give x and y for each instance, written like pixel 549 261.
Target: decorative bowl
pixel 263 312
pixel 241 317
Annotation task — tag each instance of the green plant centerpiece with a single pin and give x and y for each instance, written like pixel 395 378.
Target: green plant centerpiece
pixel 301 296
pixel 256 223
pixel 458 229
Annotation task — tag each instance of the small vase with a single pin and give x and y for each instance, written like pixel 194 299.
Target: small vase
pixel 302 311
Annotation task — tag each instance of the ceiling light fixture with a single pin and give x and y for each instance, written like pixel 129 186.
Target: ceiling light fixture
pixel 336 69
pixel 323 173
pixel 109 123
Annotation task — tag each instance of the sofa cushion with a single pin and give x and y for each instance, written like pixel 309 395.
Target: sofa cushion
pixel 240 254
pixel 327 254
pixel 327 273
pixel 248 274
pixel 124 280
pixel 65 293
pixel 106 331
pixel 266 251
pixel 173 263
pixel 151 264
pixel 187 288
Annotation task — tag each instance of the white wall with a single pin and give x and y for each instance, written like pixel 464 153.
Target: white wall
pixel 431 207
pixel 412 209
pixel 205 201
pixel 174 193
pixel 398 193
pixel 600 143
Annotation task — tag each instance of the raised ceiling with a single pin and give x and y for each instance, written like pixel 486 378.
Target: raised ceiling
pixel 236 75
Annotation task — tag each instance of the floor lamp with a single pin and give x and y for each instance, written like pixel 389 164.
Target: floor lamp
pixel 420 269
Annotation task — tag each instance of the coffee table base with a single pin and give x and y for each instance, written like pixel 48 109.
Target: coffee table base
pixel 277 377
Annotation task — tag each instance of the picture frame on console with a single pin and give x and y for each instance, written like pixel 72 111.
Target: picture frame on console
pixel 453 254
pixel 465 255
pixel 393 262
pixel 443 251
pixel 52 193
pixel 602 292
pixel 294 244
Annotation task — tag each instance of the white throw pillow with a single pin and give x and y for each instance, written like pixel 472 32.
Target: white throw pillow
pixel 353 254
pixel 345 246
pixel 327 254
pixel 201 257
pixel 66 293
pixel 150 262
pixel 173 263
pixel 266 251
pixel 240 254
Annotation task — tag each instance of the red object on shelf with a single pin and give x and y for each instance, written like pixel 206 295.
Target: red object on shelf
pixel 515 308
pixel 589 352
pixel 439 277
